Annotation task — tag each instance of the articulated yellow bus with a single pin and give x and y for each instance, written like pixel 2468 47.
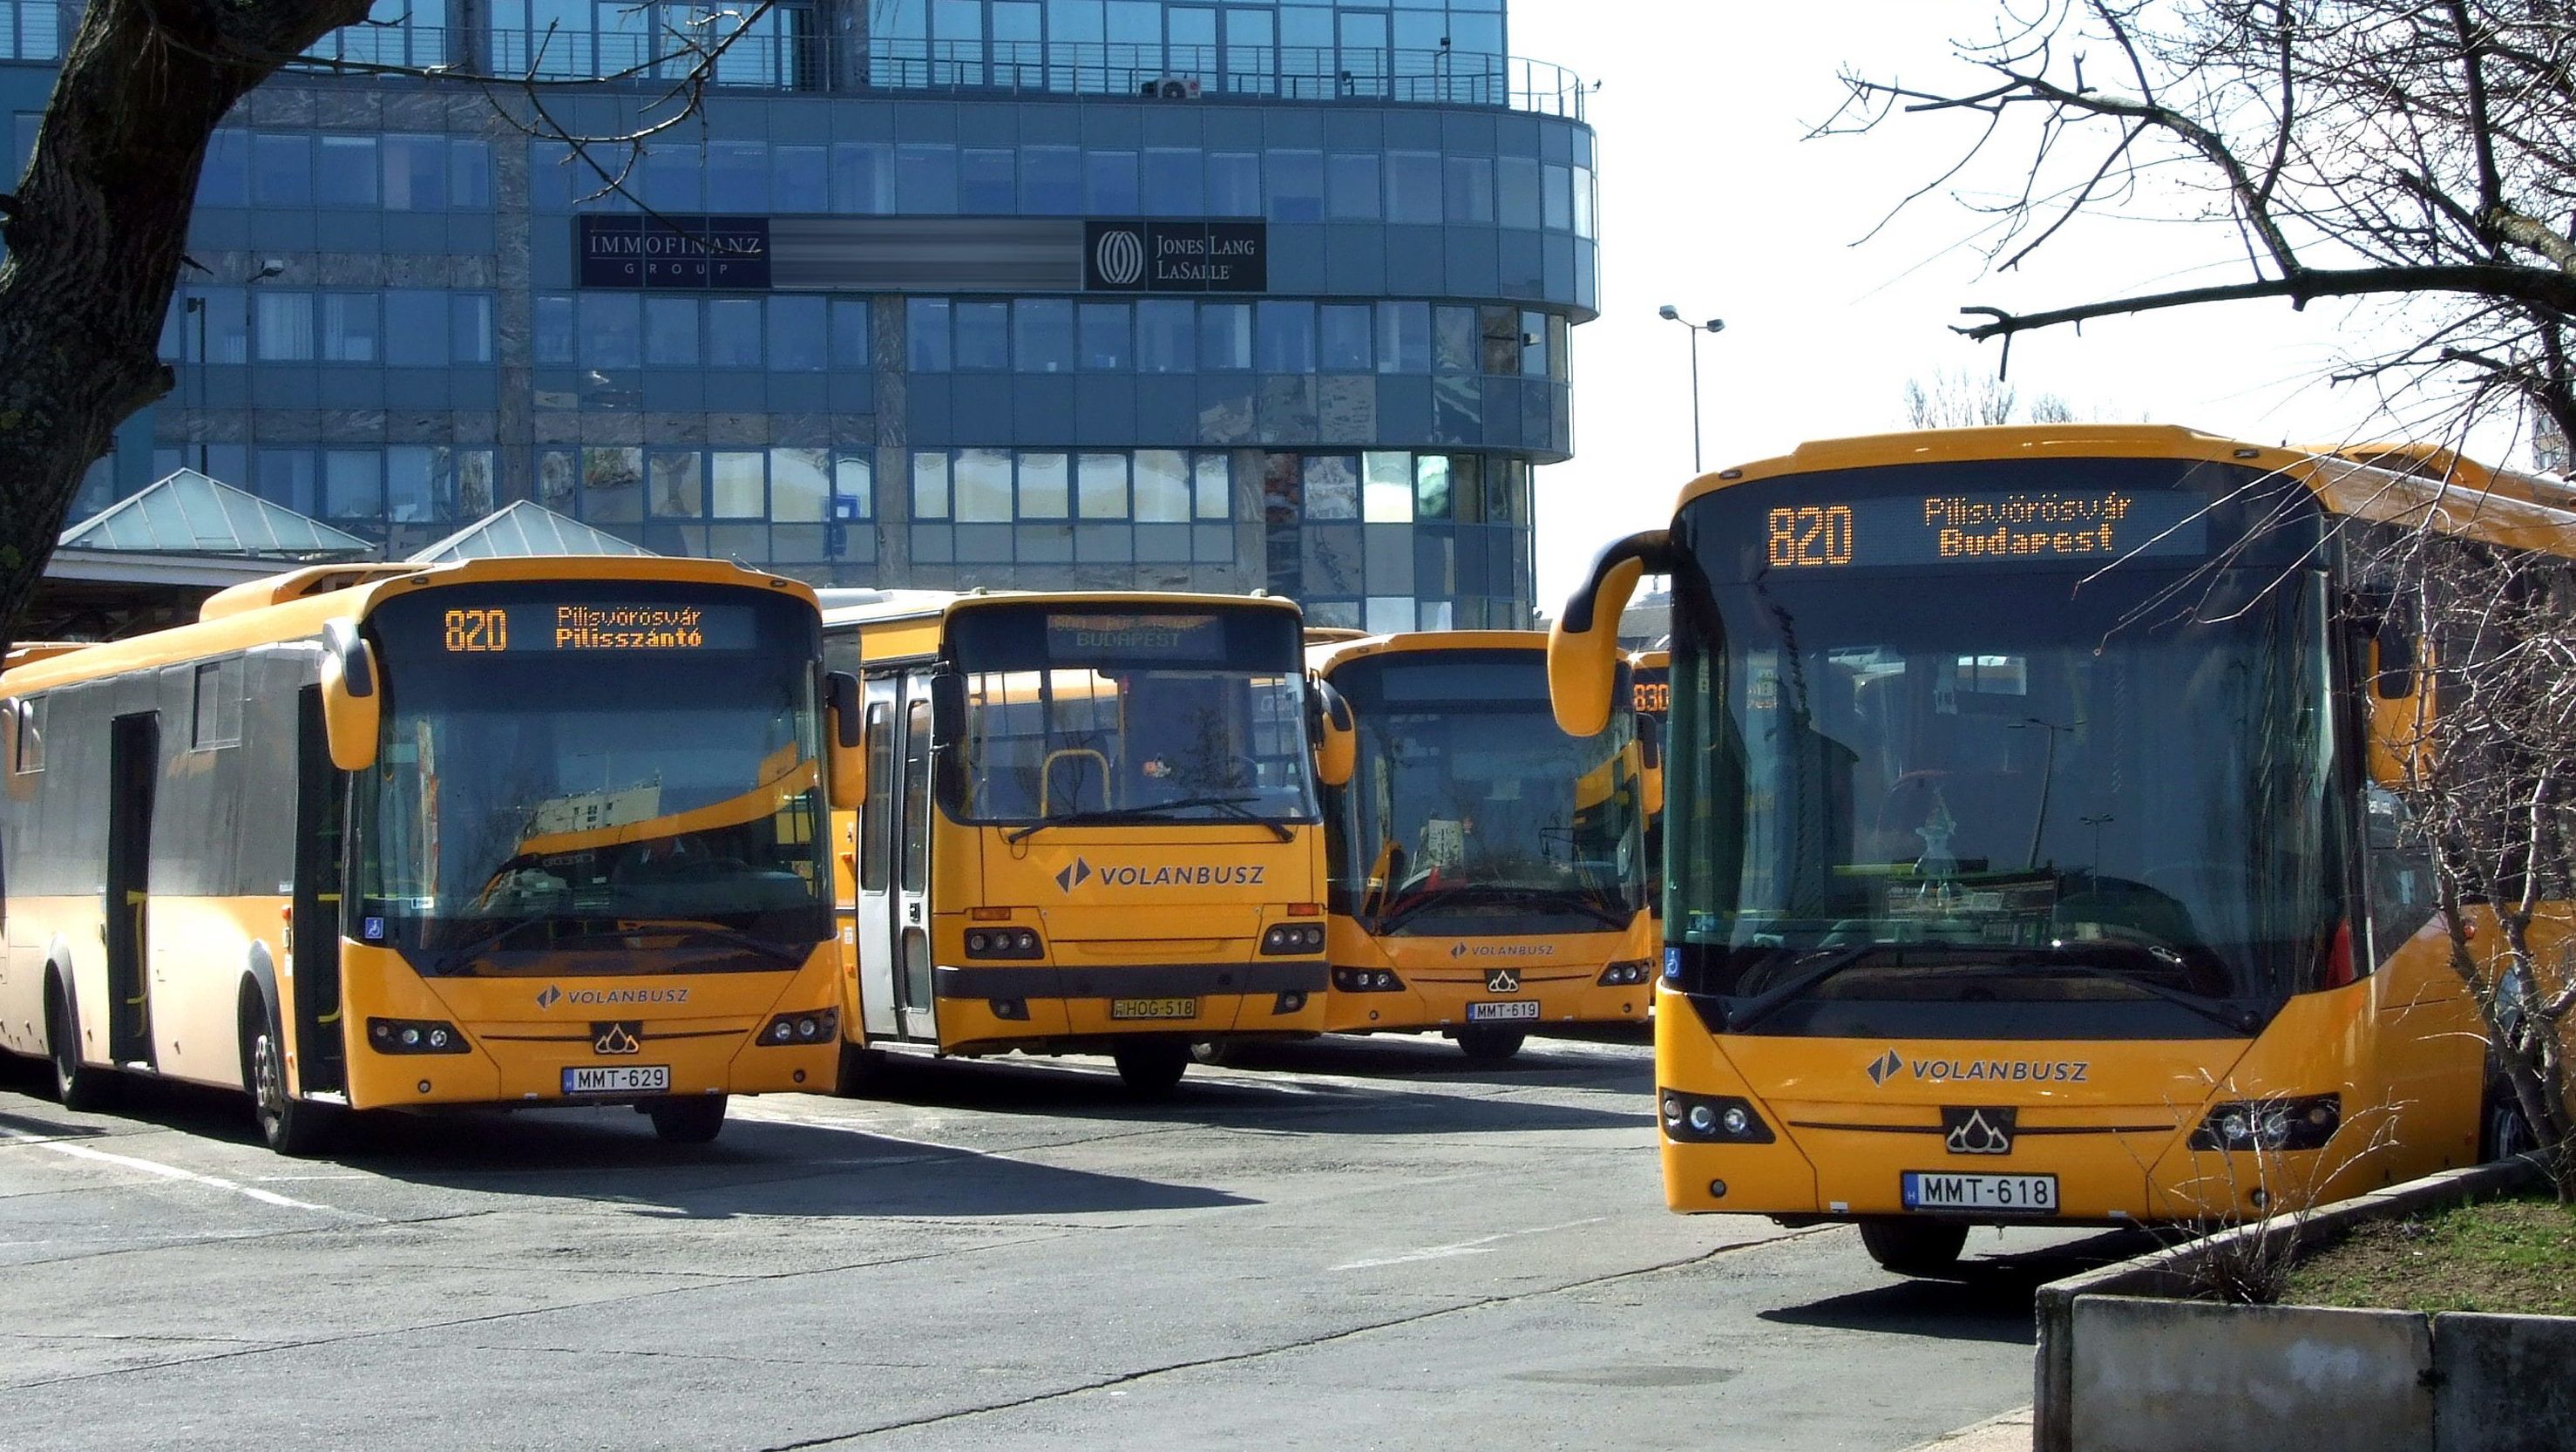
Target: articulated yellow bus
pixel 2025 858
pixel 504 832
pixel 1488 876
pixel 1092 828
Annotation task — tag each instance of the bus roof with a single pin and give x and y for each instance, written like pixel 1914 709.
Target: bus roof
pixel 2427 485
pixel 862 608
pixel 294 605
pixel 1324 655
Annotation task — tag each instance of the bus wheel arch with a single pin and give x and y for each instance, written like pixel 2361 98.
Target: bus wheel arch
pixel 77 1085
pixel 289 1125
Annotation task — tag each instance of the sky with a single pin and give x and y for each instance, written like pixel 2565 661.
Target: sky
pixel 1712 201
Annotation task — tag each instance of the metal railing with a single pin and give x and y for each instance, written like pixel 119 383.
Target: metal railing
pixel 768 59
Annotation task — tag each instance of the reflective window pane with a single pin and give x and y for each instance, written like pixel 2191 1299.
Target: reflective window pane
pixel 1346 339
pixel 733 332
pixel 982 485
pixel 1225 336
pixel 1104 344
pixel 930 484
pixel 925 327
pixel 737 477
pixel 1042 335
pixel 1286 337
pixel 1162 486
pixel 800 488
pixel 1103 486
pixel 1387 488
pixel 676 484
pixel 671 332
pixel 796 343
pixel 1213 481
pixel 1045 492
pixel 1166 336
pixel 981 335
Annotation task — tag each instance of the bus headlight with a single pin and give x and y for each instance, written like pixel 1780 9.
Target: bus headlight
pixel 1366 980
pixel 1004 943
pixel 808 1027
pixel 1293 938
pixel 1710 1119
pixel 1620 974
pixel 415 1036
pixel 2270 1124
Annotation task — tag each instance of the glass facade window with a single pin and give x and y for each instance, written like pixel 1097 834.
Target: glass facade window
pixel 929 485
pixel 733 332
pixel 1166 336
pixel 678 487
pixel 285 325
pixel 1403 337
pixel 1516 191
pixel 353 484
pixel 1051 181
pixel 1413 186
pixel 1285 336
pixel 1296 181
pixel 281 172
pixel 1104 345
pixel 349 327
pixel 1351 186
pixel 1470 191
pixel 797 342
pixel 1042 335
pixel 1162 486
pixel 736 480
pixel 1045 486
pixel 469 327
pixel 1174 183
pixel 1387 488
pixel 981 336
pixel 1225 336
pixel 415 177
pixel 800 485
pixel 1233 184
pixel 926 178
pixel 863 178
pixel 345 172
pixel 1346 340
pixel 1101 481
pixel 988 180
pixel 612 485
pixel 671 332
pixel 981 485
pixel 1109 185
pixel 925 330
pixel 800 178
pixel 552 340
pixel 612 330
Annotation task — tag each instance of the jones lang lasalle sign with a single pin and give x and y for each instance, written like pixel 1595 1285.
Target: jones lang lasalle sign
pixel 1136 256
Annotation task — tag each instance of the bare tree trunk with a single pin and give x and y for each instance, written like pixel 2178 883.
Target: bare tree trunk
pixel 95 235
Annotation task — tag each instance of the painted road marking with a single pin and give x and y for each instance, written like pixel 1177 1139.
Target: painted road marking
pixel 1481 1245
pixel 173 1172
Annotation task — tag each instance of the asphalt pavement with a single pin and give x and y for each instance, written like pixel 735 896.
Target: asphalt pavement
pixel 1346 1244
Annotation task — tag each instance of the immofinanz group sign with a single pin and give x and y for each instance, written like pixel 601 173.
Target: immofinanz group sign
pixel 920 254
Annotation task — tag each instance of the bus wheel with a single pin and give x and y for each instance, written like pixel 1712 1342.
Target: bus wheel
pixel 1152 1069
pixel 1211 1052
pixel 1914 1247
pixel 1490 1045
pixel 76 1085
pixel 692 1119
pixel 2502 1131
pixel 862 1071
pixel 290 1125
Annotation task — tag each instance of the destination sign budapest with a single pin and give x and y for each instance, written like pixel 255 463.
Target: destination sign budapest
pixel 2032 526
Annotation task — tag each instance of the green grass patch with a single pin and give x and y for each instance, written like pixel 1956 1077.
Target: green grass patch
pixel 2512 1257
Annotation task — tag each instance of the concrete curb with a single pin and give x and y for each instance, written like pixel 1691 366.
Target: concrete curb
pixel 2173 1272
pixel 2009 1432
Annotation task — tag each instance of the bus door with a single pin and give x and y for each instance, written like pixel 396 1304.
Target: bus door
pixel 872 936
pixel 134 767
pixel 321 814
pixel 911 847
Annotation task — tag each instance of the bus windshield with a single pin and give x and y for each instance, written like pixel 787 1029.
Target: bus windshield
pixel 560 773
pixel 1100 715
pixel 2004 801
pixel 1470 812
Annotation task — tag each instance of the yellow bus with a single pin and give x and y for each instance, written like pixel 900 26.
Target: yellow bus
pixel 500 833
pixel 1092 828
pixel 2029 857
pixel 1650 695
pixel 1487 870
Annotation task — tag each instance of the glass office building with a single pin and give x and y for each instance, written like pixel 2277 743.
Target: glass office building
pixel 925 293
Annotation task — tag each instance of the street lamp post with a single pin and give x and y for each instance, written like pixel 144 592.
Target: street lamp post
pixel 1671 314
pixel 250 375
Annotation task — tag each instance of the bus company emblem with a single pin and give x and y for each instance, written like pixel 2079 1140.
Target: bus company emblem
pixel 615 1038
pixel 1074 876
pixel 1884 1067
pixel 1502 980
pixel 549 996
pixel 1980 1071
pixel 1183 874
pixel 1972 1131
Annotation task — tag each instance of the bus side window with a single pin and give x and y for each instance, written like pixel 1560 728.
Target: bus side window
pixel 2401 874
pixel 872 826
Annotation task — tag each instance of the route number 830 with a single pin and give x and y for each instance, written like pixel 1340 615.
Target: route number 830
pixel 1810 534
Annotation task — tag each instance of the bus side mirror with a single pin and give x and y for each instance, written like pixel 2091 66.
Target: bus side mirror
pixel 1583 654
pixel 1336 736
pixel 845 748
pixel 947 708
pixel 1650 765
pixel 352 704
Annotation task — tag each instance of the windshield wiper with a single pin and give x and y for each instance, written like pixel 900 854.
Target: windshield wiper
pixel 2216 1010
pixel 587 930
pixel 1153 812
pixel 1833 961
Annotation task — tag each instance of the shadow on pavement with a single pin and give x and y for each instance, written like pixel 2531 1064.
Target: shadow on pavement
pixel 1589 1062
pixel 1987 1298
pixel 1255 1099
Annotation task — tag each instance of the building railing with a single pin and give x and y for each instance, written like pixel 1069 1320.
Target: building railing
pixel 794 60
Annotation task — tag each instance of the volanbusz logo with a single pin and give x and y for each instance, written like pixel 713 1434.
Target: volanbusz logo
pixel 549 996
pixel 1975 1131
pixel 1884 1067
pixel 1074 876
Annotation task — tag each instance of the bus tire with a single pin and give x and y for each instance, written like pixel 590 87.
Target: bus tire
pixel 688 1119
pixel 77 1086
pixel 1211 1051
pixel 2502 1131
pixel 291 1126
pixel 1151 1070
pixel 1914 1247
pixel 1488 1045
pixel 861 1073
